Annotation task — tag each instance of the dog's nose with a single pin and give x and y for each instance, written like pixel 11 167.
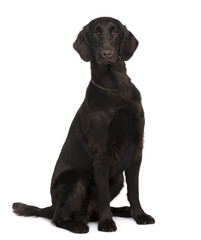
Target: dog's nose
pixel 107 54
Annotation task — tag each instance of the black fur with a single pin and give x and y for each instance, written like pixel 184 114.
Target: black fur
pixel 104 140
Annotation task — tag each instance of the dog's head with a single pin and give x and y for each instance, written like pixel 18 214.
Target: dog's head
pixel 104 40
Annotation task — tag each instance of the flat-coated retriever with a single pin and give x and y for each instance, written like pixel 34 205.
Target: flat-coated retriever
pixel 104 140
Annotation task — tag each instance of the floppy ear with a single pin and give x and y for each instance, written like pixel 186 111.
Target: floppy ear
pixel 128 44
pixel 81 45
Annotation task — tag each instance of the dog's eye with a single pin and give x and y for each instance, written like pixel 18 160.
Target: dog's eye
pixel 96 33
pixel 115 33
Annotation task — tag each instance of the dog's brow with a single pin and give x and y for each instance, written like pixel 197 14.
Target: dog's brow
pixel 105 24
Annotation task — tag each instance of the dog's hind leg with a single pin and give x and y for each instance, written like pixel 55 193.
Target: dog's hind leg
pixel 121 212
pixel 70 205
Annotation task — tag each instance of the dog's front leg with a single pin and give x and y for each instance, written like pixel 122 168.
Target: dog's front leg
pixel 132 176
pixel 101 172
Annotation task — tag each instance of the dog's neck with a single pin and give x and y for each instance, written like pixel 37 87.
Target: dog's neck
pixel 110 76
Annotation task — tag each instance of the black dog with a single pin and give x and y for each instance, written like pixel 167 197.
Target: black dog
pixel 104 140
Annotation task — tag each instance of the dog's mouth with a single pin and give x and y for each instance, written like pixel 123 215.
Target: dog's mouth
pixel 107 60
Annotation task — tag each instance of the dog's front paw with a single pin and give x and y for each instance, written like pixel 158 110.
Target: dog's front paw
pixel 107 226
pixel 144 219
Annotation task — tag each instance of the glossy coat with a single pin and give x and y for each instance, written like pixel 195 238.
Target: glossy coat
pixel 104 141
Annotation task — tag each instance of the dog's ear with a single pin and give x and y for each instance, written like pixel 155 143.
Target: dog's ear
pixel 81 45
pixel 128 44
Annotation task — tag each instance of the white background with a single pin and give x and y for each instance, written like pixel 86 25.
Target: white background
pixel 43 82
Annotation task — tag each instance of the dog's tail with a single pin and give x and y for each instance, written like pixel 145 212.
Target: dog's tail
pixel 27 210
